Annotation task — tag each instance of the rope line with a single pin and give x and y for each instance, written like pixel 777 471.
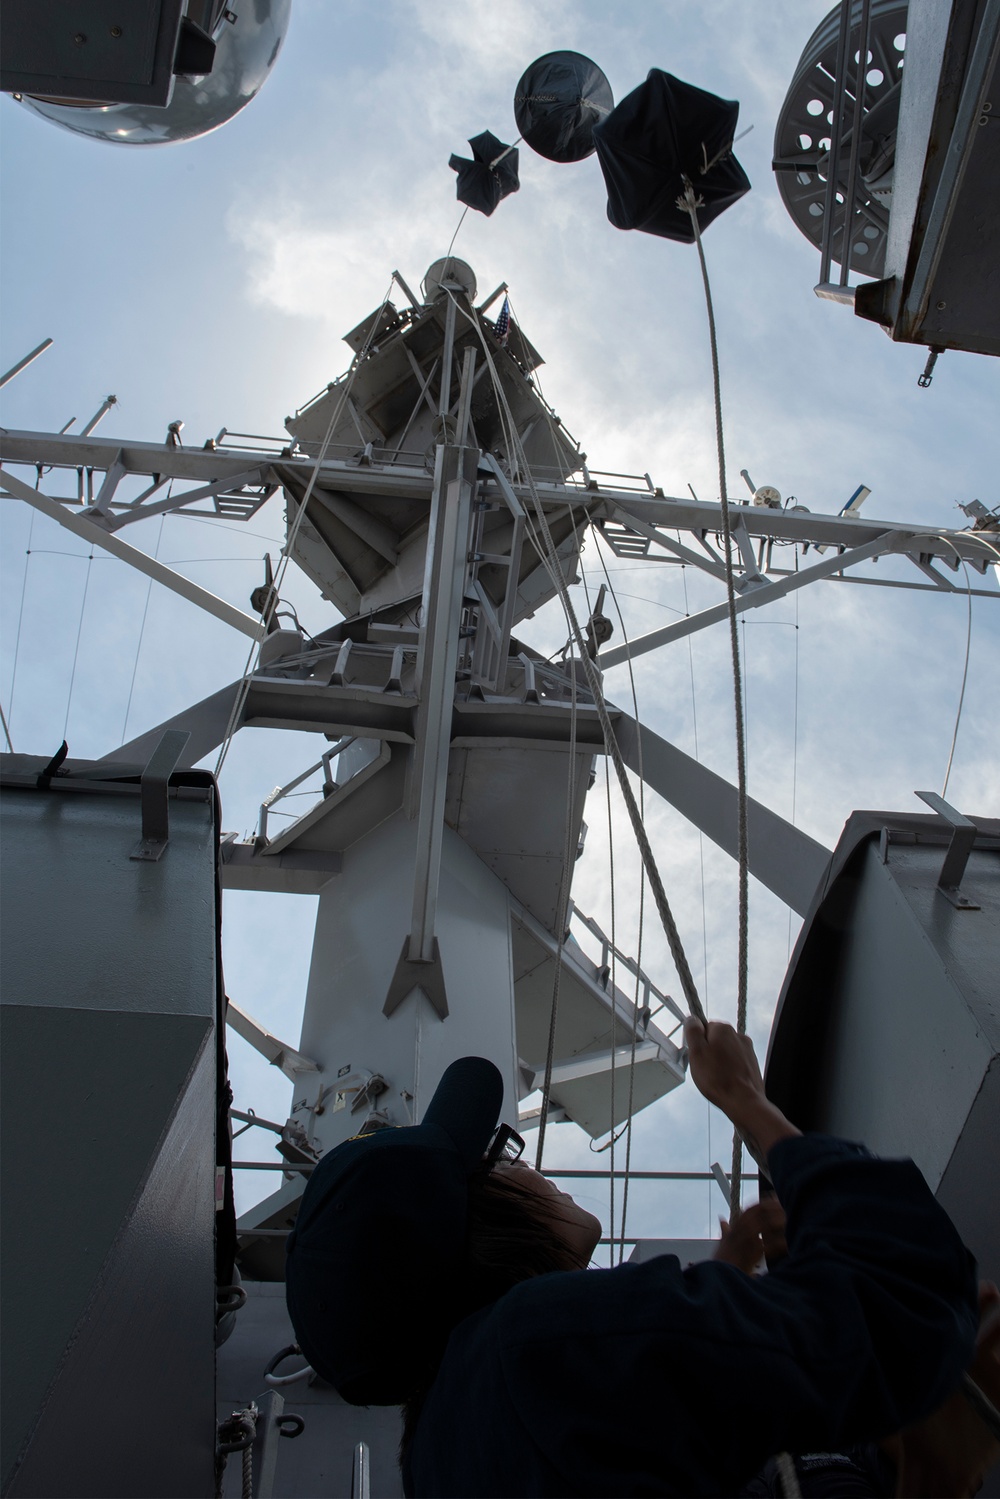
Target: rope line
pixel 692 203
pixel 642 901
pixel 701 867
pixel 551 557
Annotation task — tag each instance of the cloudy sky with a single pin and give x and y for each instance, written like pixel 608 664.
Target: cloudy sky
pixel 212 282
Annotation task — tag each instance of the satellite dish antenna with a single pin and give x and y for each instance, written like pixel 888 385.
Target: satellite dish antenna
pixel 559 100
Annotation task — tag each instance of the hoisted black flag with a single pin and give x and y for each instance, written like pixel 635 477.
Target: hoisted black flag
pixel 489 177
pixel 661 133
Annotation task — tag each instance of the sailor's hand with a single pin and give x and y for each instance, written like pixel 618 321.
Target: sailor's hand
pixel 723 1064
pixel 725 1070
pixel 757 1234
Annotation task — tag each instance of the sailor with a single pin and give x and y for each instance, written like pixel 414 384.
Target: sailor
pixel 428 1269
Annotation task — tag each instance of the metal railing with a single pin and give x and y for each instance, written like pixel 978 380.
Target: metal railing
pixel 648 989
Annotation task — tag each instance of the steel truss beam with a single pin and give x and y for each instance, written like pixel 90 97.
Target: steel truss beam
pixel 758 592
pixel 95 535
pixel 645 513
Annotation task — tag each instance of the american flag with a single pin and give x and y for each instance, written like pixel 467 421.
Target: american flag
pixel 502 328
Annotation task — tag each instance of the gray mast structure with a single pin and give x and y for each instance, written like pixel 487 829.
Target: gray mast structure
pixel 455 757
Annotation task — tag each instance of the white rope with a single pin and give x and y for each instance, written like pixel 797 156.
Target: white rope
pixel 243 692
pixel 548 553
pixel 788 1476
pixel 610 742
pixel 642 905
pixel 692 203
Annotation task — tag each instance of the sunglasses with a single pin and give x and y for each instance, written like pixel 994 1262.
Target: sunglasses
pixel 506 1146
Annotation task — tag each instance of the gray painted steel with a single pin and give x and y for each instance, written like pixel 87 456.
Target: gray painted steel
pixel 888 1027
pixel 939 285
pixel 109 989
pixel 319 1461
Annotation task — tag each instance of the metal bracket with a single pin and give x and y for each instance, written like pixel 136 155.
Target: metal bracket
pixel 963 839
pixel 410 975
pixel 154 783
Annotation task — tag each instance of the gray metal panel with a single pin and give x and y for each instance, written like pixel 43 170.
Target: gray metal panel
pixel 110 995
pixel 941 283
pixel 910 1055
pixel 109 1274
pixel 888 1027
pixel 970 1187
pixel 92 918
pixel 120 51
pixel 320 1461
pixel 510 806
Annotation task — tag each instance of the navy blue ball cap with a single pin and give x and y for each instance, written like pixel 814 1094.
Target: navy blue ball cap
pixel 375 1274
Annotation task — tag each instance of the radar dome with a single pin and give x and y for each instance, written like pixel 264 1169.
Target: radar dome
pixel 449 273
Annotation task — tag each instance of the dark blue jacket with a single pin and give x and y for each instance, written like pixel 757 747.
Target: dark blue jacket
pixel 649 1379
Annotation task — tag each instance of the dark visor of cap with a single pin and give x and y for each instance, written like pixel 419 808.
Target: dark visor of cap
pixel 466 1105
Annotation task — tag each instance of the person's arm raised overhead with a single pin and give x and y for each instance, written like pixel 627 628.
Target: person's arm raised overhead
pixel 724 1068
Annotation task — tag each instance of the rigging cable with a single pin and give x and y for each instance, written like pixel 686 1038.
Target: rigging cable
pixel 142 626
pixel 965 668
pixel 79 633
pixel 6 730
pixel 20 612
pixel 691 203
pixel 243 691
